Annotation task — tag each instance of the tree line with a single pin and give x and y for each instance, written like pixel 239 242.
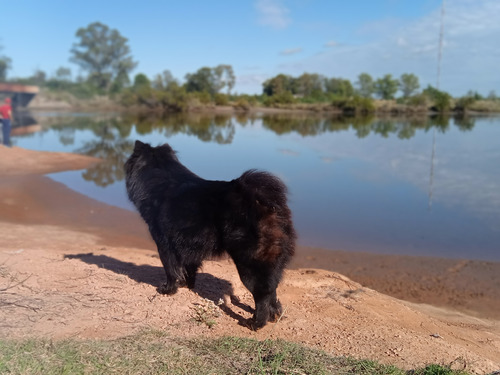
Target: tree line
pixel 105 58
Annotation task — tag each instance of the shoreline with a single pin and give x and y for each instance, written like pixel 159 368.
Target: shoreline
pixel 30 198
pixel 468 286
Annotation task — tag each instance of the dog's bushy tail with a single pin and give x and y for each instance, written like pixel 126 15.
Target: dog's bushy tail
pixel 264 197
pixel 266 188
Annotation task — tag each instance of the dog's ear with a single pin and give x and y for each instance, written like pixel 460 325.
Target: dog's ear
pixel 140 145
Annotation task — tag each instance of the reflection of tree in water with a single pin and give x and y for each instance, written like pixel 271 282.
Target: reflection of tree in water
pixel 113 157
pixel 112 145
pixel 67 136
pixel 217 128
pixel 113 148
pixel 465 123
pixel 404 128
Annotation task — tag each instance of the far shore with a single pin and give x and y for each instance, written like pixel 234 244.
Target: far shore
pixel 43 102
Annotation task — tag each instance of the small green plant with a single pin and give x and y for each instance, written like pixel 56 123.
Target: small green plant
pixel 435 369
pixel 206 312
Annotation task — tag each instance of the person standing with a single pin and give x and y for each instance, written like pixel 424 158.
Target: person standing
pixel 6 116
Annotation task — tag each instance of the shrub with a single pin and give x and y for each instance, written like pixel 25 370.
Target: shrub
pixel 242 103
pixel 464 103
pixel 282 98
pixel 221 99
pixel 418 100
pixel 355 105
pixel 204 97
pixel 441 100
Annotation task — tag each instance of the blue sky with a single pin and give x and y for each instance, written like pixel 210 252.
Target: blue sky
pixel 262 38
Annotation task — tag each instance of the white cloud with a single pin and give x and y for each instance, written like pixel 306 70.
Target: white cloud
pixel 291 51
pixel 331 43
pixel 470 54
pixel 273 13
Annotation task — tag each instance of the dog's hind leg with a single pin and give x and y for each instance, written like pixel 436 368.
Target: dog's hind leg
pixel 261 281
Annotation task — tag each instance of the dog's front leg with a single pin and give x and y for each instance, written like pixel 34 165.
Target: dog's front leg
pixel 172 271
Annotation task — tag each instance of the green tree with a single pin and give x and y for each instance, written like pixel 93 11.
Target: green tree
pixel 307 85
pixel 386 87
pixel 164 81
pixel 365 85
pixel 224 77
pixel 210 80
pixel 339 87
pixel 5 65
pixel 63 74
pixel 141 81
pixel 408 84
pixel 39 77
pixel 474 94
pixel 104 53
pixel 441 99
pixel 278 85
pixel 201 81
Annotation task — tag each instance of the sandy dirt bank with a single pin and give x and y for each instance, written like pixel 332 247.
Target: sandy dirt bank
pixel 74 267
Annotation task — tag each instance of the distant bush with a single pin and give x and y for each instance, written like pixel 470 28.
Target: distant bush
pixel 464 103
pixel 176 99
pixel 203 96
pixel 221 99
pixel 242 103
pixel 441 100
pixel 485 106
pixel 418 100
pixel 282 98
pixel 354 105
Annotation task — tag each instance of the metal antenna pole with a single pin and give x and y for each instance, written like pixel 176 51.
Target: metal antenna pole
pixel 440 49
pixel 440 53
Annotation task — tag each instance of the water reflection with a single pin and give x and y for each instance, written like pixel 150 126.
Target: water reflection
pixel 359 183
pixel 110 140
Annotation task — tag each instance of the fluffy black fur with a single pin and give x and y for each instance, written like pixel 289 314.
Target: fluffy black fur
pixel 192 219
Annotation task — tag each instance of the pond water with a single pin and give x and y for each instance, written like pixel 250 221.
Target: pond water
pixel 425 186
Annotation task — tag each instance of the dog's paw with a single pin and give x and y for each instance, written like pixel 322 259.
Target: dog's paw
pixel 253 325
pixel 275 311
pixel 167 289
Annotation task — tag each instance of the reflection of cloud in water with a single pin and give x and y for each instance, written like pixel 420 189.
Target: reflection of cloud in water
pixel 327 159
pixel 285 151
pixel 461 178
pixel 466 171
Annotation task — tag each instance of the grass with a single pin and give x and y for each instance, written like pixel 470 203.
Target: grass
pixel 485 106
pixel 154 352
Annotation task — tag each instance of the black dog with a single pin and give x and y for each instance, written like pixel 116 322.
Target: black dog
pixel 192 219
